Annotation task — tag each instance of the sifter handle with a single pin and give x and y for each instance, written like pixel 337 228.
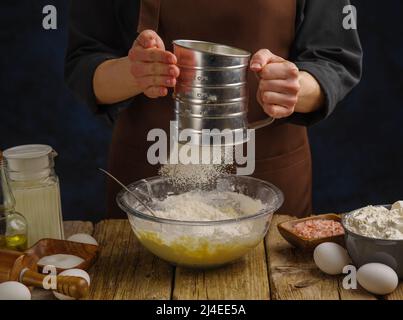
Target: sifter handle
pixel 75 287
pixel 261 123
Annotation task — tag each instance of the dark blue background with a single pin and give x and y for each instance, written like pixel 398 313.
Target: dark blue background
pixel 358 152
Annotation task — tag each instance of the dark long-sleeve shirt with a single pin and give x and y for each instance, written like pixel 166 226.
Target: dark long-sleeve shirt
pixel 102 30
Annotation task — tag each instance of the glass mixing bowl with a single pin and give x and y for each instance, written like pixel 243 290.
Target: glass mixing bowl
pixel 200 244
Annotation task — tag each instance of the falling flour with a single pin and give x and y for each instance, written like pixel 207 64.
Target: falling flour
pixel 192 175
pixel 207 165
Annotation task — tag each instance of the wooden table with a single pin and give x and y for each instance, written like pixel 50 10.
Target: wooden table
pixel 274 270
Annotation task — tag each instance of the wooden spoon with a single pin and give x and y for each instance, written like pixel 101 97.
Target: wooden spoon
pixel 16 266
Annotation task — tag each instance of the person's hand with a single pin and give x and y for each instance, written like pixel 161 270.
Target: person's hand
pixel 278 85
pixel 153 68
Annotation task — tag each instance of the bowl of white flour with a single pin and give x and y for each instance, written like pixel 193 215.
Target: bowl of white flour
pixel 375 234
pixel 201 228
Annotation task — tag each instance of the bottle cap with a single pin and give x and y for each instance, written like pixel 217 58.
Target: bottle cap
pixel 29 162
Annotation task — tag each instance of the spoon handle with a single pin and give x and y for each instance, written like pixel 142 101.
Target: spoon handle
pixel 129 191
pixel 71 286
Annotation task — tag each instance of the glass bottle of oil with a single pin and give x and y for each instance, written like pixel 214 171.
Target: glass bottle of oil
pixel 13 226
pixel 35 186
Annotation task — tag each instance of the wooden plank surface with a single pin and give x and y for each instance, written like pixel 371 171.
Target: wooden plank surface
pixel 397 295
pixel 125 270
pixel 246 279
pixel 294 275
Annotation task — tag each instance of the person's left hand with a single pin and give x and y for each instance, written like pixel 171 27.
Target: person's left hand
pixel 279 83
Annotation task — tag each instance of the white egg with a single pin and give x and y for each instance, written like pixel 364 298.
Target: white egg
pixel 331 258
pixel 377 278
pixel 83 238
pixel 13 290
pixel 398 205
pixel 74 273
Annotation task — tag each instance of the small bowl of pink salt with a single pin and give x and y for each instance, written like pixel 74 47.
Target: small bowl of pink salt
pixel 308 233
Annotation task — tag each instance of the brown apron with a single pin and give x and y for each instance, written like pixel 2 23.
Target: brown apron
pixel 282 150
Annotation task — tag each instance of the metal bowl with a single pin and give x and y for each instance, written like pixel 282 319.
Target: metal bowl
pixel 363 250
pixel 201 244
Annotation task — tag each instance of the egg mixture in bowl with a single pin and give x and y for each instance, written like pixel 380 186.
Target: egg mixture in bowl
pixel 201 228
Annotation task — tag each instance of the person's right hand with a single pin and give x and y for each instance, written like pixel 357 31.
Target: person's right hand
pixel 153 68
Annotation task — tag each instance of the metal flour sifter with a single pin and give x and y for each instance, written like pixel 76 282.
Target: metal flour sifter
pixel 212 92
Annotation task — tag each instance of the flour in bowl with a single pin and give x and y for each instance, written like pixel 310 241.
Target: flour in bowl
pixel 377 222
pixel 207 206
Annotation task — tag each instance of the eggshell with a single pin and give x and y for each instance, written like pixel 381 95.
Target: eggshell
pixel 377 278
pixel 331 258
pixel 62 261
pixel 73 273
pixel 83 238
pixel 398 205
pixel 13 290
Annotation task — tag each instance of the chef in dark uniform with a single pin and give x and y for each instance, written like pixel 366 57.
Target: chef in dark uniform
pixel 119 62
